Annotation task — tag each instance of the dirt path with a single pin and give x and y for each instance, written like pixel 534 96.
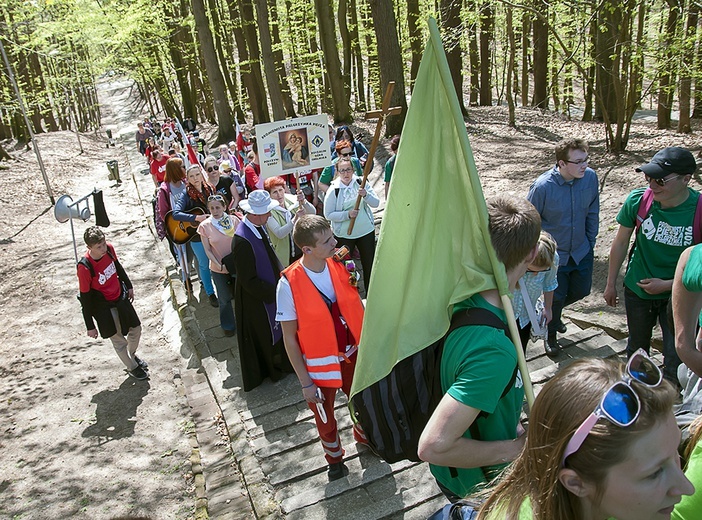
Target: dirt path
pixel 81 439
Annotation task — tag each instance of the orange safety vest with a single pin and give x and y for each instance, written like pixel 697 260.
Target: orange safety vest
pixel 315 326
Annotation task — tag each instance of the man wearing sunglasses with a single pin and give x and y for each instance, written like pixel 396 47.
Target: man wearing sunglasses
pixel 567 198
pixel 662 234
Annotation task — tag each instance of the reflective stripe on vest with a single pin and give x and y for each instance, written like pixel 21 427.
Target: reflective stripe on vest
pixel 315 327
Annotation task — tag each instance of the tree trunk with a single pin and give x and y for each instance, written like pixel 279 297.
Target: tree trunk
pixel 473 53
pixel 526 31
pixel 373 84
pixel 688 58
pixel 415 40
pixel 264 33
pixel 358 58
pixel 4 154
pixel 608 22
pixel 225 130
pixel 279 60
pixel 243 59
pixel 390 61
pixel 667 74
pixel 589 79
pixel 257 95
pixel 540 28
pixel 327 36
pixel 345 46
pixel 452 30
pixel 487 34
pixel 510 70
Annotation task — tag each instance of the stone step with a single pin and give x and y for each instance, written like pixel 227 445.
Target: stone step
pixel 283 438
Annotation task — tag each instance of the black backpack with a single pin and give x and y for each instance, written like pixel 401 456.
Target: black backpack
pixel 394 411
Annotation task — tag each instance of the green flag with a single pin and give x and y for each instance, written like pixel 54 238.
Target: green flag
pixel 434 248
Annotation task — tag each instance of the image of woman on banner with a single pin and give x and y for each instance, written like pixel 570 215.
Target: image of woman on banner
pixel 294 146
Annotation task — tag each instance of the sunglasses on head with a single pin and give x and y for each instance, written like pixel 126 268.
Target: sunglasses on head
pixel 620 404
pixel 215 197
pixel 662 182
pixel 210 169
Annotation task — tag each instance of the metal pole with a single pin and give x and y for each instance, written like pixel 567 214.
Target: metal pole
pixel 26 121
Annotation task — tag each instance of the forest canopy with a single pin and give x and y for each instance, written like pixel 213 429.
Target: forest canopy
pixel 261 60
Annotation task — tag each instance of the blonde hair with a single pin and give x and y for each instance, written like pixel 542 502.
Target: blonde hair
pixel 546 251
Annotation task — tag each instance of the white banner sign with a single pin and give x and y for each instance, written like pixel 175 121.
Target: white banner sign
pixel 293 145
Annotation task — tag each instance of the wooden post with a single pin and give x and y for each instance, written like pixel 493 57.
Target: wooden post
pixel 381 114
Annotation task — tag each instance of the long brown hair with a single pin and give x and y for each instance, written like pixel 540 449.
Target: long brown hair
pixel 561 407
pixel 174 170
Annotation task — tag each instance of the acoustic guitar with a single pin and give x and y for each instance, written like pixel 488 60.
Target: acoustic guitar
pixel 182 232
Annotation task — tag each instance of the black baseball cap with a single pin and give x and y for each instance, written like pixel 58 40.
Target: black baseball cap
pixel 669 160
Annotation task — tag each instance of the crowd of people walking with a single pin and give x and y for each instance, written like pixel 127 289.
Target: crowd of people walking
pixel 278 262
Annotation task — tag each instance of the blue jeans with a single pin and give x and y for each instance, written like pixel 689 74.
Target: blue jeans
pixel 225 289
pixel 641 317
pixel 574 283
pixel 203 265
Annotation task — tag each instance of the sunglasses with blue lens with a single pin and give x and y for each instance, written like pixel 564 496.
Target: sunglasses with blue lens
pixel 620 404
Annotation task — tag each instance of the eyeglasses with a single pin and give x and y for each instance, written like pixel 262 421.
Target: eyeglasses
pixel 620 404
pixel 211 169
pixel 533 271
pixel 345 154
pixel 581 161
pixel 215 197
pixel 346 170
pixel 661 182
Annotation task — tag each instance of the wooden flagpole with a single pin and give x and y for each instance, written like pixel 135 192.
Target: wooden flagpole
pixel 381 114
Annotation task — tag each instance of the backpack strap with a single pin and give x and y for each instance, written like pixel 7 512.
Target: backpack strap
pixel 89 266
pixel 697 223
pixel 644 208
pixel 480 316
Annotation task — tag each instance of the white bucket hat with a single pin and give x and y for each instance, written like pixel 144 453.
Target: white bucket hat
pixel 258 203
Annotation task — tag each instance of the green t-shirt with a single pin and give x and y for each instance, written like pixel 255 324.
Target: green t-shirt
pixel 327 174
pixel 690 507
pixel 692 275
pixel 477 363
pixel 662 238
pixel 388 168
pixel 525 512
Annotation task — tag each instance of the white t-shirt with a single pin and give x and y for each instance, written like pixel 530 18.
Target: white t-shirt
pixel 284 298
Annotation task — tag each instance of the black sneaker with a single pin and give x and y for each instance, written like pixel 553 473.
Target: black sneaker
pixel 143 364
pixel 213 300
pixel 336 471
pixel 138 373
pixel 551 346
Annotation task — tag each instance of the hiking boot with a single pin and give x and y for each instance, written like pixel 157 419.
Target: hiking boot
pixel 213 300
pixel 138 373
pixel 143 364
pixel 551 346
pixel 336 471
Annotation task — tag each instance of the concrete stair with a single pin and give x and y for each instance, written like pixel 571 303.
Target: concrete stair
pixel 282 437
